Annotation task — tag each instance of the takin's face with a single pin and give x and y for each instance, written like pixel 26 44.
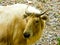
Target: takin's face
pixel 34 25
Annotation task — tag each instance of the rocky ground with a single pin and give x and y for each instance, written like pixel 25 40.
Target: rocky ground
pixel 52 30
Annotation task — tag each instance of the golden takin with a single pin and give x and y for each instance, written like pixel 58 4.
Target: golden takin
pixel 20 24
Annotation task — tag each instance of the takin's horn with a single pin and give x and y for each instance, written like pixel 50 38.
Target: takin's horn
pixel 27 13
pixel 44 12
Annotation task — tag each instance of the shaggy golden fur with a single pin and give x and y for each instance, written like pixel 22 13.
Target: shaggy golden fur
pixel 13 26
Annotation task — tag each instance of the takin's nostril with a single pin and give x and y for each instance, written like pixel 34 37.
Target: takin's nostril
pixel 26 35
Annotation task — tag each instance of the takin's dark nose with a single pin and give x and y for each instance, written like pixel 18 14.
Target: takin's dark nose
pixel 26 35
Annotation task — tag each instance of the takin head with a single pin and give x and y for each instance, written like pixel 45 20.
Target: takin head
pixel 35 24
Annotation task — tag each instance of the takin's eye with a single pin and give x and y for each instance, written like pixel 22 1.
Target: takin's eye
pixel 36 21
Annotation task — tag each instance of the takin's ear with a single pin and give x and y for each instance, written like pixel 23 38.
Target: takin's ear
pixel 44 17
pixel 26 14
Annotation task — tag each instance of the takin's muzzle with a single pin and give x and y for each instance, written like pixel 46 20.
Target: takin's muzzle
pixel 26 35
